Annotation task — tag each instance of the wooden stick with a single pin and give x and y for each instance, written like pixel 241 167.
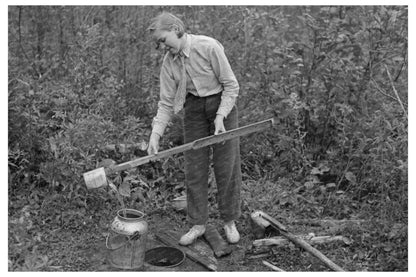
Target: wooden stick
pixel 281 241
pixel 301 243
pixel 276 224
pixel 275 268
pixel 196 144
pixel 274 241
pixel 258 256
pixel 320 222
pixel 313 251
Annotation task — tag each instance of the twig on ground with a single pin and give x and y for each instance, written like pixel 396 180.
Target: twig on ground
pixel 264 255
pixel 275 268
pixel 296 240
pixel 281 241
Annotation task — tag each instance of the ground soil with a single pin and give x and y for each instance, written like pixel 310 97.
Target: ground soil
pixel 50 234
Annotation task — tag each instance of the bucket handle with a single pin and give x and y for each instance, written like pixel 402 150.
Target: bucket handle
pixel 135 236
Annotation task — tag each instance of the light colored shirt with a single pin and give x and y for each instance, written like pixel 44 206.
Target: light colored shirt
pixel 208 72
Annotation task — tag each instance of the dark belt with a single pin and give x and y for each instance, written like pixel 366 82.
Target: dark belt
pixel 188 94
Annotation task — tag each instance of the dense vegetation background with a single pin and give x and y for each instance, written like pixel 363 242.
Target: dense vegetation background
pixel 334 78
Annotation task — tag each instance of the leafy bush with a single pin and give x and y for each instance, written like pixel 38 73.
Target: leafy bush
pixel 82 79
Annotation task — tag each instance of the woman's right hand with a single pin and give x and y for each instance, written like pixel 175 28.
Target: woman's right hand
pixel 153 144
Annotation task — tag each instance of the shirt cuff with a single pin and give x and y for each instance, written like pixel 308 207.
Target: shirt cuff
pixel 226 105
pixel 158 127
pixel 222 111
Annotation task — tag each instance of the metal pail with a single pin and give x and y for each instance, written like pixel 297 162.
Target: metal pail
pixel 127 246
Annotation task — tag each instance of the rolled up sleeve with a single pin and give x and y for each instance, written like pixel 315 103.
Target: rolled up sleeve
pixel 165 104
pixel 226 77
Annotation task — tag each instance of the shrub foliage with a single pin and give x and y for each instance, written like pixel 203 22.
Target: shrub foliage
pixel 334 78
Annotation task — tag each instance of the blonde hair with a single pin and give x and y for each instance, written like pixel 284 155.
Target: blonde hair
pixel 167 21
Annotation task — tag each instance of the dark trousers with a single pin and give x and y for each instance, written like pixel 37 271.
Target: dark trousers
pixel 200 113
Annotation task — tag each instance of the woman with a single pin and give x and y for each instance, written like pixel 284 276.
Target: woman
pixel 196 75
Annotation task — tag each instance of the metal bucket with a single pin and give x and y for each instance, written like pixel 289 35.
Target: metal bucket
pixel 127 246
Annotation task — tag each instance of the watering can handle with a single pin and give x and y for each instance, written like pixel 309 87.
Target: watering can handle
pixel 106 241
pixel 135 236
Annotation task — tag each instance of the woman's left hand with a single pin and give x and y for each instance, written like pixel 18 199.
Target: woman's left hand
pixel 219 124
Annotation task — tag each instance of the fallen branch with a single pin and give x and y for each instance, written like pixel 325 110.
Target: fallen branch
pixel 258 256
pixel 281 241
pixel 275 268
pixel 326 222
pixel 296 240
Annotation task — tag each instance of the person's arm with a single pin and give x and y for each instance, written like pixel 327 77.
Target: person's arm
pixel 226 77
pixel 165 107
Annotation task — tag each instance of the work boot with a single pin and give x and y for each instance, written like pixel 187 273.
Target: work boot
pixel 231 232
pixel 195 232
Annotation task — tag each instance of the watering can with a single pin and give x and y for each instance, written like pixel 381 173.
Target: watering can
pixel 98 177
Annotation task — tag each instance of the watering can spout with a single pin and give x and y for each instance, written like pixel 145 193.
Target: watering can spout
pixel 95 178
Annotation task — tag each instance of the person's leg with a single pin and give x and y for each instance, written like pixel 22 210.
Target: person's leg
pixel 196 126
pixel 227 169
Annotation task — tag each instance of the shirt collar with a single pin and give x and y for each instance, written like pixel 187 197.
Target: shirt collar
pixel 186 50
